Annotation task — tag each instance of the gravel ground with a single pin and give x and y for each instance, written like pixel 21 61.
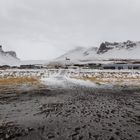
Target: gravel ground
pixel 74 113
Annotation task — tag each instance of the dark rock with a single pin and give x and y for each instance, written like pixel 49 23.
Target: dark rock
pixel 50 136
pixel 117 133
pixel 1 50
pixel 96 136
pixel 11 53
pixel 112 138
pixel 81 137
pixel 103 48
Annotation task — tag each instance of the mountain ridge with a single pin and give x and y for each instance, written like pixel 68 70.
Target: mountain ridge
pixel 106 51
pixel 8 57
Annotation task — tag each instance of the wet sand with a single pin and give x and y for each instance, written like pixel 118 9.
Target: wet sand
pixel 74 113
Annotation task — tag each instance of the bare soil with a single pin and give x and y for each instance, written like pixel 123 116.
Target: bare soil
pixel 76 113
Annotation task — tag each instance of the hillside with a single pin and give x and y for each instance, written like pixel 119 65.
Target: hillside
pixel 106 51
pixel 8 58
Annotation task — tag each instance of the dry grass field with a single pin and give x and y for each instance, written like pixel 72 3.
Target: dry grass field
pixel 18 80
pixel 60 108
pixel 117 81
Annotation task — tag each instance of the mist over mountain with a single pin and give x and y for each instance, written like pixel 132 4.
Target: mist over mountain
pixel 106 51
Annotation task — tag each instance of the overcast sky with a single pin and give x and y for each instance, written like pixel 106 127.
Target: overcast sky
pixel 44 29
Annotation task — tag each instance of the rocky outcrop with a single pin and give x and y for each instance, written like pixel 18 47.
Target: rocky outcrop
pixel 1 50
pixel 10 53
pixel 8 58
pixel 129 44
pixel 103 48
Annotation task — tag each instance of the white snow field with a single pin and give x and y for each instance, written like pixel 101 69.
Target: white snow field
pixel 63 79
pixel 9 60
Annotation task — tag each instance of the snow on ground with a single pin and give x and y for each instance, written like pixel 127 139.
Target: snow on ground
pixel 50 73
pixel 54 82
pixel 66 82
pixel 61 78
pixel 82 82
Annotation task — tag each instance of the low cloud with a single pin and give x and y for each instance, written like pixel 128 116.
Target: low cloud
pixel 44 29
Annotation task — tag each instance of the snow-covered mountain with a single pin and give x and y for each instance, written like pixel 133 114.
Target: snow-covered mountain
pixel 106 51
pixel 8 58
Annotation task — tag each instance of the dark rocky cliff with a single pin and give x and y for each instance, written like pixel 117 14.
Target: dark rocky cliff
pixel 10 53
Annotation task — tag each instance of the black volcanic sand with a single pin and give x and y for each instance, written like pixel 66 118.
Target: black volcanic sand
pixel 77 113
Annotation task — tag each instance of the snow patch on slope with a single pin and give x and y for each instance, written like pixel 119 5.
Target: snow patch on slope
pixel 124 50
pixel 8 60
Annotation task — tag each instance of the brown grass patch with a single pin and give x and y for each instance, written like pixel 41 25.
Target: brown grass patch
pixel 19 80
pixel 92 79
pixel 119 81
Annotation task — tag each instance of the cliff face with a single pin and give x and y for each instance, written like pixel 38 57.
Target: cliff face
pixel 104 47
pixel 10 53
pixel 1 50
pixel 8 57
